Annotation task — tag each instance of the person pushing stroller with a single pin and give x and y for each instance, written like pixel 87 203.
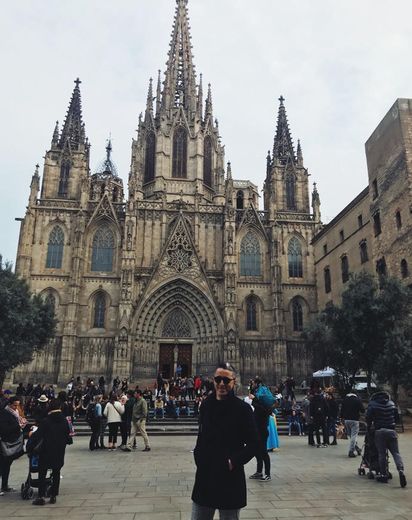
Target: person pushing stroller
pixel 382 415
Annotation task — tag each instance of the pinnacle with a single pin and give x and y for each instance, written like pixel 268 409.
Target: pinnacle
pixel 73 132
pixel 283 149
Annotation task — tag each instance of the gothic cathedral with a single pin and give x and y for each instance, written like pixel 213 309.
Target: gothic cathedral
pixel 187 269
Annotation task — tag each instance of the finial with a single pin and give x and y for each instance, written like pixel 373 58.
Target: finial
pixel 77 82
pixel 229 170
pixel 109 148
pixel 281 99
pixel 36 171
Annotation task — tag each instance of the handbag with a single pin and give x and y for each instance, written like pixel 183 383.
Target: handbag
pixel 13 449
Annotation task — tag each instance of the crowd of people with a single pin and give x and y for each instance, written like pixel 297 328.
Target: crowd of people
pixel 115 409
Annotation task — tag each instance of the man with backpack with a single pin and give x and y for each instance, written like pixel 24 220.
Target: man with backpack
pixel 93 418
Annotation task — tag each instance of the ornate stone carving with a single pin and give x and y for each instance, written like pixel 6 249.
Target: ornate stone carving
pixel 177 325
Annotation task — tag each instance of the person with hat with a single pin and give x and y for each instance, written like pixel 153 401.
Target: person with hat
pixel 41 409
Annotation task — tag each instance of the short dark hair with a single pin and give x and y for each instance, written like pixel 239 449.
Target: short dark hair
pixel 226 366
pixel 138 391
pixel 14 399
pixel 55 404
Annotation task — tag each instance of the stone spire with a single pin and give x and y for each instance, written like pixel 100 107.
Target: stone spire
pixel 55 138
pixel 73 133
pixel 149 102
pixel 283 144
pixel 180 78
pixel 299 155
pixel 209 103
pixel 316 204
pixel 158 94
pixel 200 97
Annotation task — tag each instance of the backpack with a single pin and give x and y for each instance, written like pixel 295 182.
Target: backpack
pixel 91 415
pixel 265 396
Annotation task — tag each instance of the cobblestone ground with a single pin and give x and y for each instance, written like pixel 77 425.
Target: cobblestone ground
pixel 307 482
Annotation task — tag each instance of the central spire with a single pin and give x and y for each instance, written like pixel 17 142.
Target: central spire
pixel 180 81
pixel 283 145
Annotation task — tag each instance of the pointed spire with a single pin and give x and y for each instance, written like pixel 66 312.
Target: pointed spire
pixel 36 176
pixel 316 204
pixel 73 131
pixel 158 94
pixel 268 162
pixel 229 171
pixel 200 97
pixel 209 103
pixel 107 167
pixel 283 144
pixel 149 102
pixel 299 155
pixel 180 81
pixel 55 138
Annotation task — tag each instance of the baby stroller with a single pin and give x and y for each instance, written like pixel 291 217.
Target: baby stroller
pixel 32 481
pixel 370 459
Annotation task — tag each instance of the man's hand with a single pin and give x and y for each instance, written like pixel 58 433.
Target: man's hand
pixel 230 464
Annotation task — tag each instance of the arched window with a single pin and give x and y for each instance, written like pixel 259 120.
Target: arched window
pixel 180 153
pixel 207 161
pixel 251 314
pixel 55 248
pixel 51 300
pixel 64 178
pixel 404 268
pixel 250 255
pixel 328 282
pixel 150 157
pixel 103 248
pixel 99 310
pixel 239 200
pixel 344 268
pixel 290 192
pixel 297 316
pixel 295 258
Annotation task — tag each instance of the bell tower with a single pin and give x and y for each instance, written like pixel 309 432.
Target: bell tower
pixel 178 151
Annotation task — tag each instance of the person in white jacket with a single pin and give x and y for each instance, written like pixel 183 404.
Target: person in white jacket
pixel 113 411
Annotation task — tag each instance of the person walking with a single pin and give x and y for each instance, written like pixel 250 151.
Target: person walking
pixel 261 414
pixel 139 415
pixel 382 414
pixel 93 418
pixel 318 410
pixel 51 437
pixel 113 411
pixel 227 440
pixel 351 409
pixel 11 425
pixel 333 411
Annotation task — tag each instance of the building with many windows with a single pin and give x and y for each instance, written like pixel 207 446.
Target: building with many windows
pixel 184 270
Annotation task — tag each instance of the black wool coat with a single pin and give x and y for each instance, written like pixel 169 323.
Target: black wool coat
pixel 9 426
pixel 226 431
pixel 54 430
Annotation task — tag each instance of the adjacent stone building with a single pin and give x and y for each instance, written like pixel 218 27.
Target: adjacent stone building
pixel 374 231
pixel 187 269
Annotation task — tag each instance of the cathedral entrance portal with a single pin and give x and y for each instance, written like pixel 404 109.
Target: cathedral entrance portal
pixel 171 355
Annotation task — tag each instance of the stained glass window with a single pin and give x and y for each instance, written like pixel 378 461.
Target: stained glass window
pixel 295 258
pixel 150 157
pixel 103 249
pixel 250 258
pixel 207 161
pixel 55 248
pixel 251 314
pixel 297 315
pixel 99 310
pixel 180 153
pixel 176 325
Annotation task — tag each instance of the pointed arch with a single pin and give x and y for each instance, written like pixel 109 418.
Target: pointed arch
pixel 295 263
pixel 150 157
pixel 297 315
pixel 240 204
pixel 55 248
pixel 64 178
pixel 99 310
pixel 103 249
pixel 290 187
pixel 179 167
pixel 251 313
pixel 177 325
pixel 207 160
pixel 250 255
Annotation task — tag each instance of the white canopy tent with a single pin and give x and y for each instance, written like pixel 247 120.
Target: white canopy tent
pixel 325 372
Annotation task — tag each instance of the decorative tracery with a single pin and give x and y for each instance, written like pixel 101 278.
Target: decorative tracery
pixel 250 257
pixel 179 252
pixel 290 191
pixel 150 155
pixel 179 169
pixel 177 325
pixel 295 258
pixel 207 161
pixel 103 248
pixel 55 248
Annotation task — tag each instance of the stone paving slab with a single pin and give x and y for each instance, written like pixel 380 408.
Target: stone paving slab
pixel 307 483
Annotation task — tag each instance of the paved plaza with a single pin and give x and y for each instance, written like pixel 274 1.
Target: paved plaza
pixel 307 482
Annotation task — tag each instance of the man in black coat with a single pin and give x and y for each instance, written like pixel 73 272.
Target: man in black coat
pixel 227 440
pixel 10 431
pixel 351 409
pixel 52 436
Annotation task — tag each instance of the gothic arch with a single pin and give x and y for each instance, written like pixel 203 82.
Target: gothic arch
pixel 102 227
pixel 250 254
pixel 177 294
pixel 299 313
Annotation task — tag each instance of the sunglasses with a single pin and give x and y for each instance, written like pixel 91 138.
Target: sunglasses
pixel 223 379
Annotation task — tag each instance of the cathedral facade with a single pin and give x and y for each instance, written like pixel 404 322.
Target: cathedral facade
pixel 184 270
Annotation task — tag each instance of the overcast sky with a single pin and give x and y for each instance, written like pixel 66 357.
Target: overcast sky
pixel 339 65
